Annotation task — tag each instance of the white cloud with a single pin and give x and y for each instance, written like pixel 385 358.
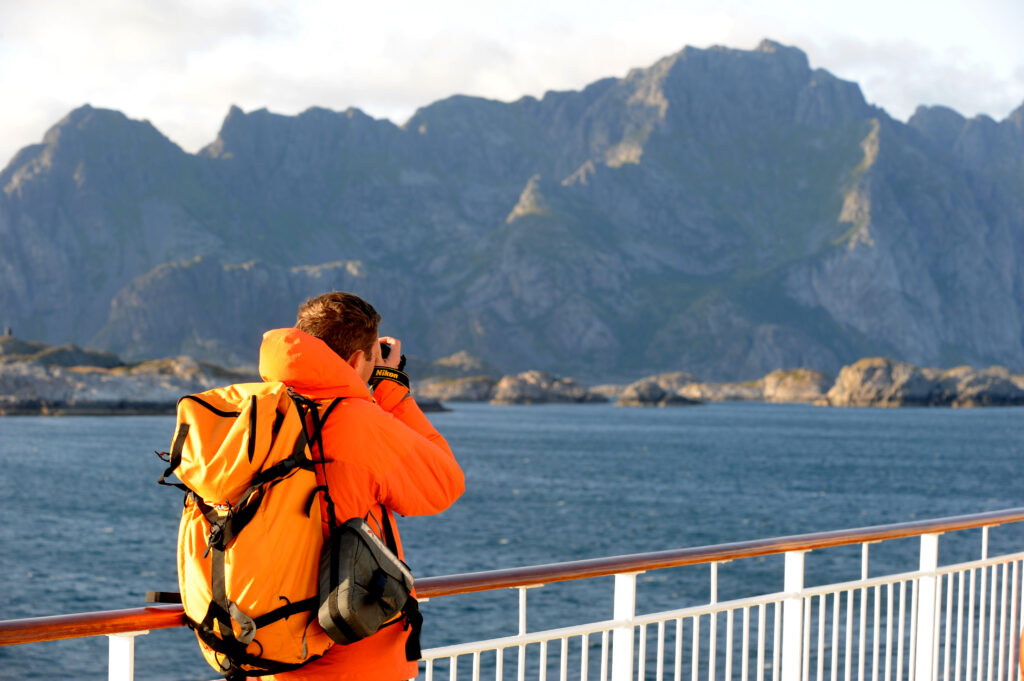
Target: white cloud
pixel 900 75
pixel 182 63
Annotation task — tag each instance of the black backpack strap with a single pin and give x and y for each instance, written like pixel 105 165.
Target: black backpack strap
pixel 411 610
pixel 173 458
pixel 414 622
pixel 216 629
pixel 287 610
pixel 389 533
pixel 235 655
pixel 314 438
pixel 224 530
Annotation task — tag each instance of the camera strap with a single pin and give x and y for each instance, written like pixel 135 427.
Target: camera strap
pixel 381 373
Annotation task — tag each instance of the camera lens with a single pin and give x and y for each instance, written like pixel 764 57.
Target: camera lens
pixel 385 350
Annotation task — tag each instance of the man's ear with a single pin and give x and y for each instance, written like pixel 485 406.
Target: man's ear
pixel 356 359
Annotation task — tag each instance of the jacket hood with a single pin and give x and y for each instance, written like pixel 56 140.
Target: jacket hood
pixel 308 365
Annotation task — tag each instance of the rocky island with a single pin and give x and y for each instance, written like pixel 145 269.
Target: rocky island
pixel 870 382
pixel 882 382
pixel 36 378
pixel 538 387
pixel 650 393
pixel 40 379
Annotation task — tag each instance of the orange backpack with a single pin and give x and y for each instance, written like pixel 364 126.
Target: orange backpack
pixel 250 538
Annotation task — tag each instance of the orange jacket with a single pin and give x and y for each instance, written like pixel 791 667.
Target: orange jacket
pixel 382 450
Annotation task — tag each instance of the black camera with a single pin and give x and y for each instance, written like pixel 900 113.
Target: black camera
pixel 385 350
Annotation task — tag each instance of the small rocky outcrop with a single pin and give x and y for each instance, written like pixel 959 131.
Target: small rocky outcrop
pixel 460 377
pixel 750 391
pixel 788 385
pixel 991 387
pixel 15 350
pixel 673 381
pixel 461 364
pixel 153 387
pixel 468 389
pixel 649 392
pixel 784 385
pixel 36 378
pixel 429 404
pixel 539 387
pixel 610 391
pixel 882 382
pixel 795 385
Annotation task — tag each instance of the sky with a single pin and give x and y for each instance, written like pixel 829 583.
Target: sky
pixel 181 64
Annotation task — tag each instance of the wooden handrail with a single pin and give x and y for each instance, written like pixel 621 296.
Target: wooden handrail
pixel 37 629
pixel 638 562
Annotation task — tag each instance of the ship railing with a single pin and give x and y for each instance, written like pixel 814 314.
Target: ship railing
pixel 957 622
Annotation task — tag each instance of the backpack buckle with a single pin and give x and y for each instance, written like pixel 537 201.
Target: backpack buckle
pixel 215 539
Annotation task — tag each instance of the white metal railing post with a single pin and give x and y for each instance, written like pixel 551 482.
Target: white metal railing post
pixel 121 663
pixel 927 615
pixel 713 626
pixel 622 636
pixel 792 617
pixel 521 658
pixel 522 628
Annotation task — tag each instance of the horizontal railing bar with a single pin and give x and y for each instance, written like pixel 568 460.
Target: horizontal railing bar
pixel 81 625
pixel 943 570
pixel 896 578
pixel 599 627
pixel 519 640
pixel 37 629
pixel 718 608
pixel 433 587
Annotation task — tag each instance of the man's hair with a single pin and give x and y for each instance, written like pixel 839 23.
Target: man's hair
pixel 344 321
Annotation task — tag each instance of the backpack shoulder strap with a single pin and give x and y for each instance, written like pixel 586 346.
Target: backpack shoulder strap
pixel 389 532
pixel 312 425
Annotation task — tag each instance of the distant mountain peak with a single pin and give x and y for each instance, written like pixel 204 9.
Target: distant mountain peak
pixel 87 119
pixel 771 47
pixel 1016 117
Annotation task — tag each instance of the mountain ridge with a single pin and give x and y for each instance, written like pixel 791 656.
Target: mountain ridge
pixel 723 211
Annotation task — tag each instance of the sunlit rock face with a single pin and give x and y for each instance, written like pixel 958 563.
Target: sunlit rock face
pixel 881 382
pixel 540 387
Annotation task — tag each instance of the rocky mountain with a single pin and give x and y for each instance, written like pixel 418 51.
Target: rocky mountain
pixel 724 212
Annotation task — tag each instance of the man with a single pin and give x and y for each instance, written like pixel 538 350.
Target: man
pixel 381 450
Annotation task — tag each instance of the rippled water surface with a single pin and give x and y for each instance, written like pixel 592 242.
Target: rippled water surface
pixel 85 527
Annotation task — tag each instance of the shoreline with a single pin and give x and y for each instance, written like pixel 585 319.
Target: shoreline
pixel 37 379
pixel 40 408
pixel 34 407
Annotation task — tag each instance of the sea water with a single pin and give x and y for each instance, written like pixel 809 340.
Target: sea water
pixel 84 526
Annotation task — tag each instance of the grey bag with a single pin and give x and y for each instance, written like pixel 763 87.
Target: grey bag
pixel 363 584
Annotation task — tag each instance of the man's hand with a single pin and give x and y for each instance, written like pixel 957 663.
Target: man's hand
pixel 394 357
